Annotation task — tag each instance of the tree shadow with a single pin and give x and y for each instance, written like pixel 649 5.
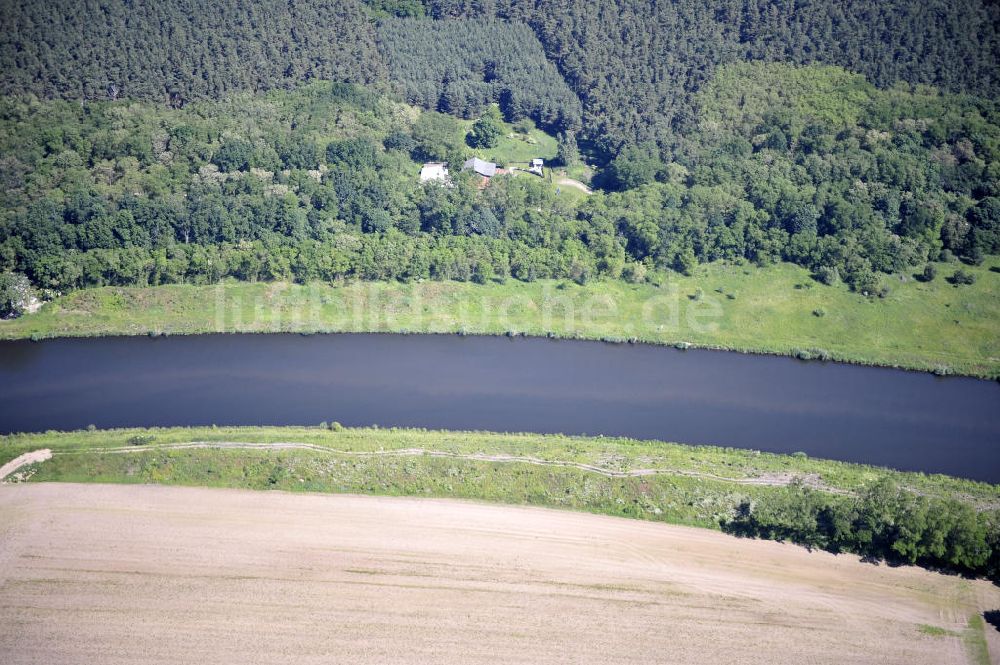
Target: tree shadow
pixel 993 618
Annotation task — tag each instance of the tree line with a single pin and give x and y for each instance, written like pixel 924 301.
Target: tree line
pixel 884 522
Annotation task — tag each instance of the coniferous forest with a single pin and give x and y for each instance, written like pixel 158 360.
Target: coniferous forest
pixel 636 65
pixel 459 67
pixel 176 51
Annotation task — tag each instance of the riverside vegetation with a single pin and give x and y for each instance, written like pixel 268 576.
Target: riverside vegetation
pixel 932 326
pixel 935 521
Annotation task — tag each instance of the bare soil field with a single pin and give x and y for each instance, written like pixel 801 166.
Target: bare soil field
pixel 123 574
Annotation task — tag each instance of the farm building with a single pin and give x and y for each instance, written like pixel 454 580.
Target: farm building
pixel 434 171
pixel 483 168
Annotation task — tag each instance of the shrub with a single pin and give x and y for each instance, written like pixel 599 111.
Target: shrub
pixel 335 426
pixel 15 291
pixel 819 312
pixel 634 273
pixel 962 277
pixel 487 131
pixel 929 273
pixel 140 440
pixel 579 272
pixel 975 257
pixel 828 275
pixel 523 126
pixel 482 272
pixel 866 282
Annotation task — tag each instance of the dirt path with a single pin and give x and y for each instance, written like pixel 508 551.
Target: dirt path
pixel 771 479
pixel 126 574
pixel 24 460
pixel 575 184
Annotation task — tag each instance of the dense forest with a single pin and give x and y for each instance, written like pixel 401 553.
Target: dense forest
pixel 174 51
pixel 459 67
pixel 811 165
pixel 816 166
pixel 636 64
pixel 316 184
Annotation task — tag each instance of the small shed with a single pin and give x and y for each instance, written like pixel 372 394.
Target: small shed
pixel 536 166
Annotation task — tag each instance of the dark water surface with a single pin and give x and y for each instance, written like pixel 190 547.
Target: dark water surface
pixel 901 419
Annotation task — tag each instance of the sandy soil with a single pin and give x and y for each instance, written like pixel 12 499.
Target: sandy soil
pixel 113 574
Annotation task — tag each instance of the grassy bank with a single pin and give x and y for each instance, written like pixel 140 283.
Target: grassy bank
pixel 695 485
pixel 779 309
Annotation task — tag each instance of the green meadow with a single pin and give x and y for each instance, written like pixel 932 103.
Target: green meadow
pixel 780 309
pixel 696 485
pixel 514 147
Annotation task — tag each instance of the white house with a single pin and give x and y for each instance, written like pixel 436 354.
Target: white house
pixel 434 171
pixel 536 166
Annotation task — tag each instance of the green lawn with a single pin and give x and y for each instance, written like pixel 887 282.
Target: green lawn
pixel 695 485
pixel 564 191
pixel 515 148
pixel 581 172
pixel 919 325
